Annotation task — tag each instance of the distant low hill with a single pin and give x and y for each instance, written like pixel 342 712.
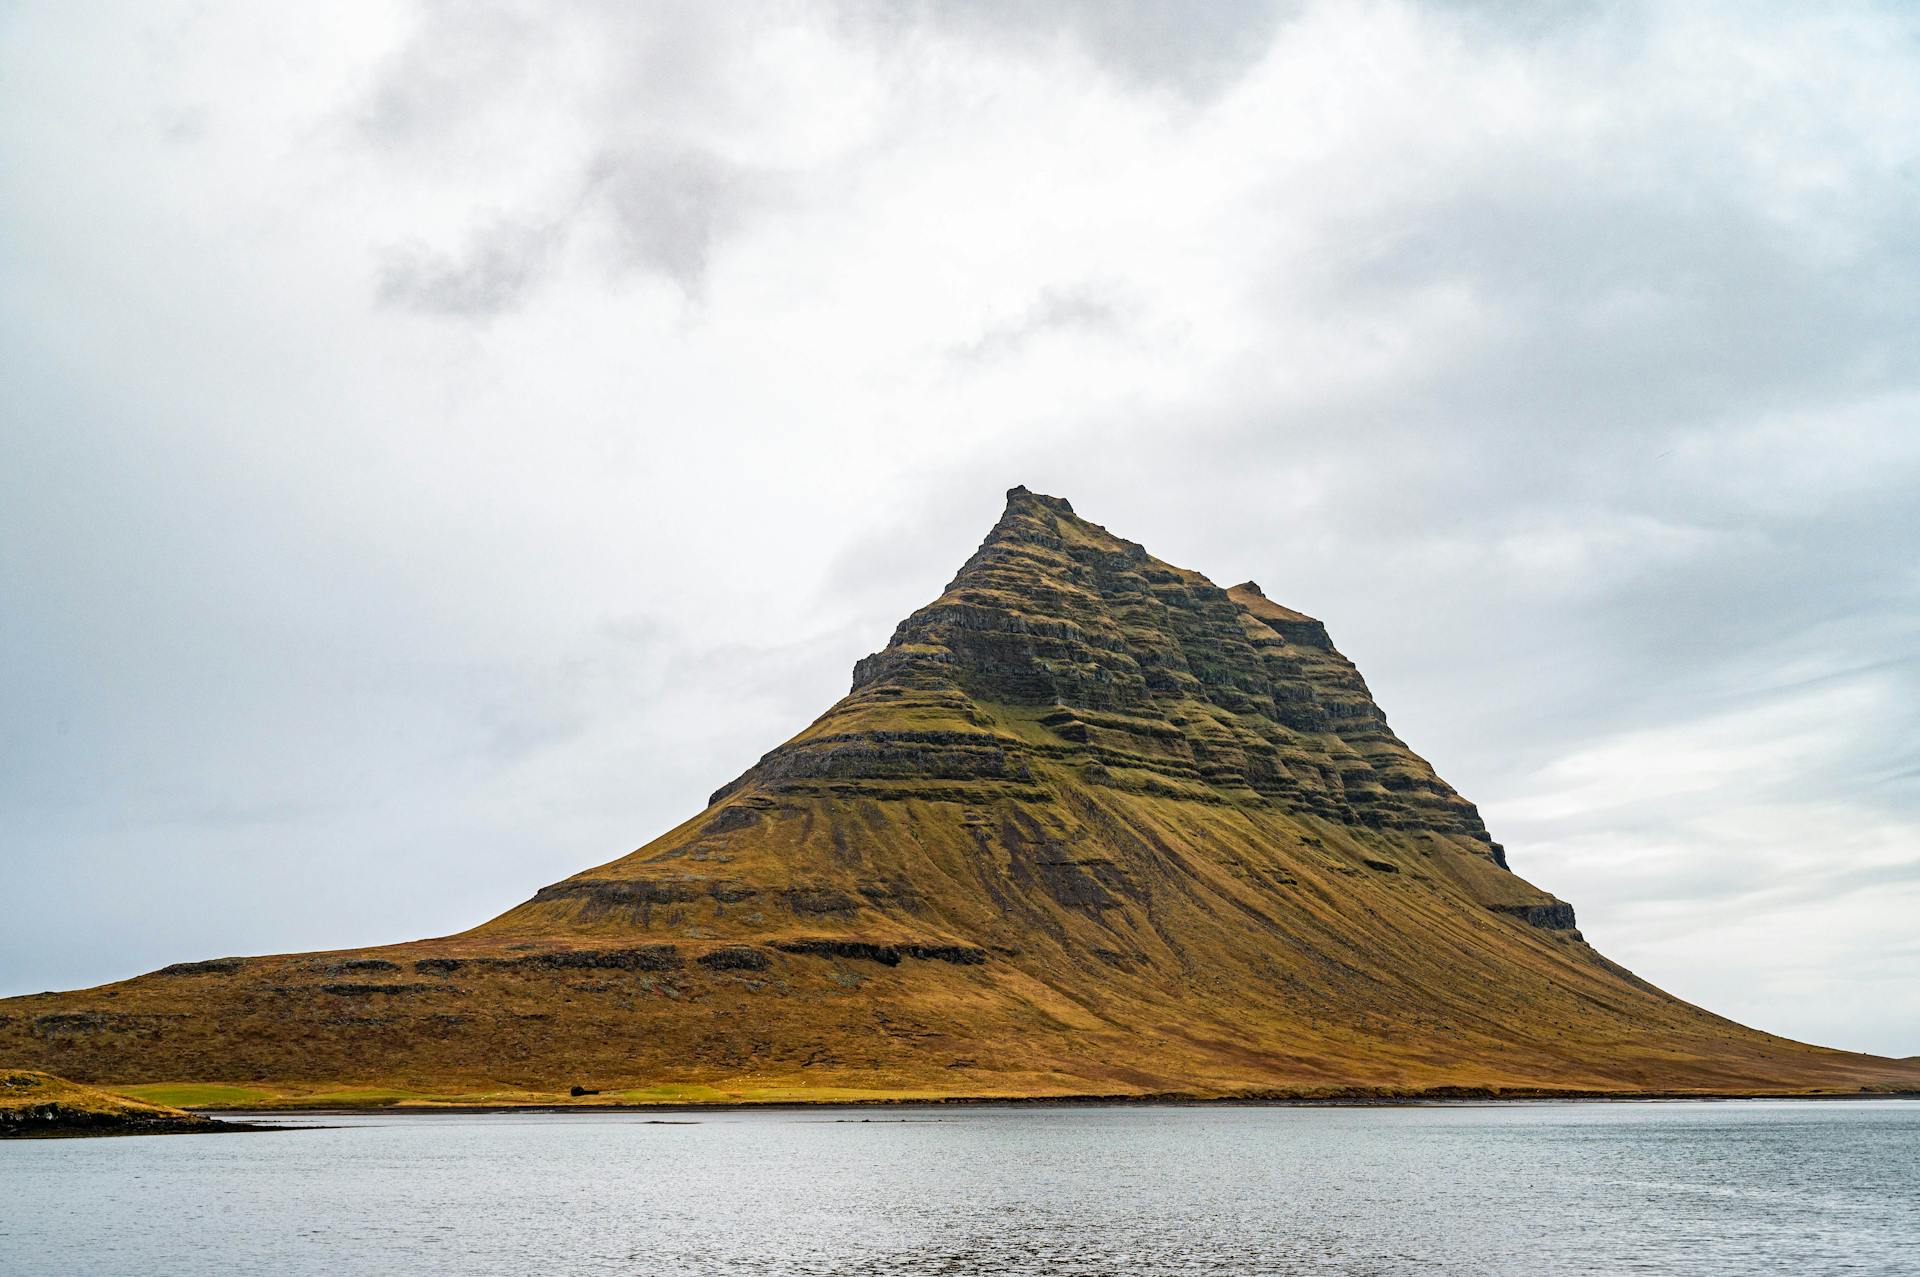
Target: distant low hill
pixel 39 1104
pixel 1089 825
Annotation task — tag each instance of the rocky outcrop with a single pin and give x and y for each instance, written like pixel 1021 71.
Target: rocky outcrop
pixel 211 966
pixel 1556 915
pixel 886 954
pixel 735 957
pixel 349 966
pixel 653 957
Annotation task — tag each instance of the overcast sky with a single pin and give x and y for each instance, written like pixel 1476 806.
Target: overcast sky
pixel 442 442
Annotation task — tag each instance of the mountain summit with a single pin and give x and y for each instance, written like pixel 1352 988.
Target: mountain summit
pixel 1088 824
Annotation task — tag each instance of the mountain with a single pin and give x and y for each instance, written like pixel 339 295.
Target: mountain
pixel 1087 825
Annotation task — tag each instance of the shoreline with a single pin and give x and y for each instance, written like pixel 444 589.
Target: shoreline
pixel 1052 1101
pixel 238 1125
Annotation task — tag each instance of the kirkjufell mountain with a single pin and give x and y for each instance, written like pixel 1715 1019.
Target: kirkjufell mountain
pixel 1088 825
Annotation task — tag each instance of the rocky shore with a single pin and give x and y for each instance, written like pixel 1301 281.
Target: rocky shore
pixel 36 1105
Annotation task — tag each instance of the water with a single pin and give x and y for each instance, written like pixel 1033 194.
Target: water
pixel 1683 1188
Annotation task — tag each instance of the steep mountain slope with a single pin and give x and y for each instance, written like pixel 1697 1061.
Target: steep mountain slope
pixel 1088 824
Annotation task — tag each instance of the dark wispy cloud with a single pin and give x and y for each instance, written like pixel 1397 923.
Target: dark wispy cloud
pixel 492 275
pixel 671 208
pixel 639 210
pixel 651 102
pixel 1081 309
pixel 1196 50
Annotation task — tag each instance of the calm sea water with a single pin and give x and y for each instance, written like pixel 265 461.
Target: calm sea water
pixel 1684 1188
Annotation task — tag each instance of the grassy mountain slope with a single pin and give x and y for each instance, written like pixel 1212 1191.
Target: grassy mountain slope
pixel 1089 824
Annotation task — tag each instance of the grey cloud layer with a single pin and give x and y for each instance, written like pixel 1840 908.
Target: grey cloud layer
pixel 492 426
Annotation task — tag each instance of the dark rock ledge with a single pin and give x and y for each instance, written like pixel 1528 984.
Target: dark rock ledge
pixel 887 954
pixel 1557 916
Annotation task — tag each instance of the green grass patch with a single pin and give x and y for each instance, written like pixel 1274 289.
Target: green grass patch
pixel 353 1097
pixel 677 1093
pixel 198 1095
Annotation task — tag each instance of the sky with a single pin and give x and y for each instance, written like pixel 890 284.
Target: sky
pixel 440 443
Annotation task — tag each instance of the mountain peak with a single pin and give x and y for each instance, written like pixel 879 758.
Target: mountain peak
pixel 1058 640
pixel 1020 494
